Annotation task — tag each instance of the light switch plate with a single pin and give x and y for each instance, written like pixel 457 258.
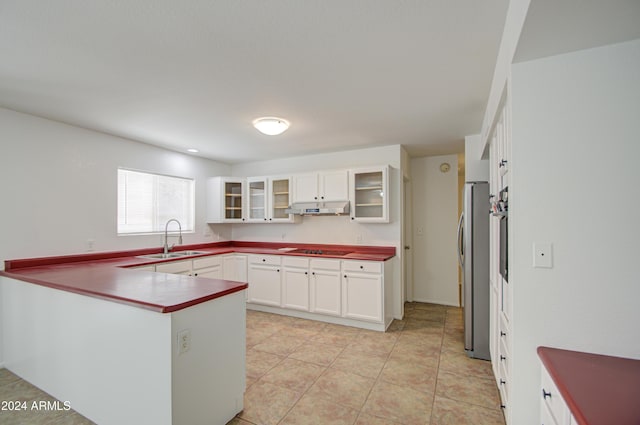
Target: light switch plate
pixel 542 255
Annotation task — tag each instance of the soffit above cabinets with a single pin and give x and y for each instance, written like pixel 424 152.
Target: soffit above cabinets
pixel 554 27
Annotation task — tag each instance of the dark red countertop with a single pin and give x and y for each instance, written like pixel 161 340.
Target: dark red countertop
pixel 599 389
pixel 106 275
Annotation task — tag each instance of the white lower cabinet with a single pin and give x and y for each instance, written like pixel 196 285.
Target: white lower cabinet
pixel 264 280
pixel 362 290
pixel 326 287
pixel 175 267
pixel 234 267
pixel 210 267
pixel 553 409
pixel 295 283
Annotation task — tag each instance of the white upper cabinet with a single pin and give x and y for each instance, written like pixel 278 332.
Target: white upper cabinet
pixel 369 194
pixel 321 186
pixel 257 199
pixel 225 200
pixel 268 198
pixel 279 196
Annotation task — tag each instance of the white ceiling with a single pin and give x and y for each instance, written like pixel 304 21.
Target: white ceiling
pixel 194 74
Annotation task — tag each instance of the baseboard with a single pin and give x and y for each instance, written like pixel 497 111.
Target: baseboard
pixel 439 302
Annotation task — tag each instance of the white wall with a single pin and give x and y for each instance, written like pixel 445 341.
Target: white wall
pixel 574 184
pixel 435 220
pixel 330 229
pixel 476 169
pixel 59 187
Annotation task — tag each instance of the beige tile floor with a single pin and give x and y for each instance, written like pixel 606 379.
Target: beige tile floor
pixel 307 372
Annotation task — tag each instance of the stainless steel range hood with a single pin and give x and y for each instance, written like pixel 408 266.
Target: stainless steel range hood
pixel 319 208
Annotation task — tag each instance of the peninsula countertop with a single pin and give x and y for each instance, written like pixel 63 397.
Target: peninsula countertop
pixel 109 275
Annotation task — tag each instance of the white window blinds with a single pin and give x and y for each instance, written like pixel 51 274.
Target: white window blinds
pixel 146 201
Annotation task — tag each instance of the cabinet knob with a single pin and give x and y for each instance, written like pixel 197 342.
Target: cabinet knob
pixel 265 219
pixel 278 270
pixel 313 273
pixel 345 276
pixel 306 272
pixel 353 218
pixel 315 197
pixel 195 274
pixel 270 219
pixel 322 197
pixel 545 394
pixel 361 267
pixel 263 260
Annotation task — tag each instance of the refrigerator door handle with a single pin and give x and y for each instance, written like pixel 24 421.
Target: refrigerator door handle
pixel 460 241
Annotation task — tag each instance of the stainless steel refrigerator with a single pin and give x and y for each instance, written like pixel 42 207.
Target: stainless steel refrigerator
pixel 473 254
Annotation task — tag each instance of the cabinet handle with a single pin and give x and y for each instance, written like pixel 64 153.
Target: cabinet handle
pixel 503 406
pixel 502 358
pixel 503 163
pixel 502 333
pixel 502 382
pixel 545 394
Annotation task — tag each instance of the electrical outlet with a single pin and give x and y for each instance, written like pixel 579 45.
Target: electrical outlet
pixel 542 255
pixel 184 341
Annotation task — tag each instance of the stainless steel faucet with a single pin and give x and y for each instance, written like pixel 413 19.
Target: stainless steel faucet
pixel 166 235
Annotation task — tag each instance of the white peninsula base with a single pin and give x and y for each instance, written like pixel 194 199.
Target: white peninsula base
pixel 120 364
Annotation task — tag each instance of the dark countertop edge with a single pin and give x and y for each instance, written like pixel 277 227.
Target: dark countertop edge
pixel 127 301
pixel 364 253
pixel 553 359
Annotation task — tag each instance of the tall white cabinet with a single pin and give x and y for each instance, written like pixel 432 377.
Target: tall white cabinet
pixel 500 296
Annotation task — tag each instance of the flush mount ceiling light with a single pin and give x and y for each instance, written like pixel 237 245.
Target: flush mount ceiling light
pixel 271 126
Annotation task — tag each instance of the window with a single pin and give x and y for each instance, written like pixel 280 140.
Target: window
pixel 146 201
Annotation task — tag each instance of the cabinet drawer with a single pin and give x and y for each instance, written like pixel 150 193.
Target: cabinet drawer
pixel 201 263
pixel 553 400
pixel 295 261
pixel 273 260
pixel 362 266
pixel 503 355
pixel 317 263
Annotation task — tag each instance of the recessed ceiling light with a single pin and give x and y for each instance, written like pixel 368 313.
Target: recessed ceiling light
pixel 193 150
pixel 271 126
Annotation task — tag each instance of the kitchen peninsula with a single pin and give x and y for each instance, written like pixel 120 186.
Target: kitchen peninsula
pixel 124 342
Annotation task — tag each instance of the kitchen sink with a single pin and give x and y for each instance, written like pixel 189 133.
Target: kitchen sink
pixel 177 254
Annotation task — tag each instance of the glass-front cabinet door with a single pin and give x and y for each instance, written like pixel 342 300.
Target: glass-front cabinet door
pixel 233 200
pixel 369 194
pixel 257 199
pixel 280 199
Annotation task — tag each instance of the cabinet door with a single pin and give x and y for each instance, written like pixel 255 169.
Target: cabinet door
pixel 369 195
pixel 264 284
pixel 233 200
pixel 295 288
pixel 334 185
pixel 280 199
pixel 363 296
pixel 326 292
pixel 257 200
pixel 234 267
pixel 305 187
